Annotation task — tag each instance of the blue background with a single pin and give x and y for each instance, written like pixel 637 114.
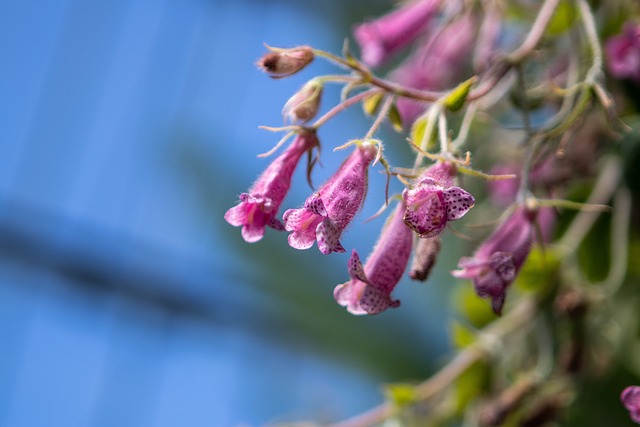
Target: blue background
pixel 127 129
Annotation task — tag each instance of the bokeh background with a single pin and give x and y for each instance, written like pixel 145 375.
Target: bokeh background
pixel 128 128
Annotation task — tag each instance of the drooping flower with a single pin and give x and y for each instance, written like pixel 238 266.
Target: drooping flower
pixel 370 287
pixel 434 200
pixel 383 37
pixel 304 104
pixel 630 398
pixel 424 258
pixel 327 212
pixel 438 64
pixel 279 63
pixel 497 261
pixel 623 53
pixel 259 206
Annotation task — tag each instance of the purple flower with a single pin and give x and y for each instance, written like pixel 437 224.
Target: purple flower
pixel 630 398
pixel 623 53
pixel 437 64
pixel 281 63
pixel 370 287
pixel 433 201
pixel 497 261
pixel 327 213
pixel 385 36
pixel 258 207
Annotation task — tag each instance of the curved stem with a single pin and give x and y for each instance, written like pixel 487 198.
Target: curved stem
pixel 536 32
pixel 343 106
pixel 382 114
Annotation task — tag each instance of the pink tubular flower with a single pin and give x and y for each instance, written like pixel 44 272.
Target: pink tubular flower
pixel 497 261
pixel 630 398
pixel 327 213
pixel 370 287
pixel 385 36
pixel 623 53
pixel 437 64
pixel 279 63
pixel 258 207
pixel 433 201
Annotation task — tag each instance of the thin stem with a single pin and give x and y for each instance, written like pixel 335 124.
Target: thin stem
pixel 536 32
pixel 605 186
pixel 619 241
pixel 592 35
pixel 523 191
pixel 463 133
pixel 343 106
pixel 382 114
pixel 443 134
pixel 432 116
pixel 512 321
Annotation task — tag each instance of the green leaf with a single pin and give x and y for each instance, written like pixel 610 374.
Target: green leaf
pixel 472 383
pixel 371 104
pixel 395 119
pixel 456 98
pixel 461 335
pixel 539 270
pixel 401 394
pixel 474 309
pixel 418 128
pixel 563 18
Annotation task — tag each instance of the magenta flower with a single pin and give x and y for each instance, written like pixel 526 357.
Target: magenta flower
pixel 370 287
pixel 433 201
pixel 381 38
pixel 258 208
pixel 623 53
pixel 630 398
pixel 438 64
pixel 497 261
pixel 327 213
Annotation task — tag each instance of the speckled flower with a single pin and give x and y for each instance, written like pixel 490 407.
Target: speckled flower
pixel 497 261
pixel 259 206
pixel 623 53
pixel 383 37
pixel 370 287
pixel 630 398
pixel 434 200
pixel 327 213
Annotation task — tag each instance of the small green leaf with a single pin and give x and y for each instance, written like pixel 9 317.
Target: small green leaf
pixel 395 119
pixel 418 129
pixel 371 104
pixel 462 336
pixel 456 98
pixel 401 394
pixel 539 270
pixel 475 309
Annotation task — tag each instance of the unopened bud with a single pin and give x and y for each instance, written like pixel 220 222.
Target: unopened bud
pixel 424 258
pixel 304 104
pixel 281 63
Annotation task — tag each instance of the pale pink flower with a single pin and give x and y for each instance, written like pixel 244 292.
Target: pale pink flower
pixel 630 398
pixel 623 53
pixel 370 287
pixel 279 63
pixel 259 206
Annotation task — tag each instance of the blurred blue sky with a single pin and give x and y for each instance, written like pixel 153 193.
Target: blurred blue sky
pixel 128 128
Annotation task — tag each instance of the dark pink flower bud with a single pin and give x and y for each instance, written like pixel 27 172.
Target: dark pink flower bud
pixel 284 62
pixel 630 398
pixel 304 104
pixel 370 287
pixel 434 200
pixel 623 53
pixel 424 258
pixel 327 213
pixel 497 261
pixel 381 38
pixel 258 208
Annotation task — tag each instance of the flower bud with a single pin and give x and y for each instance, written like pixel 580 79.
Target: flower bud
pixel 281 63
pixel 424 258
pixel 304 104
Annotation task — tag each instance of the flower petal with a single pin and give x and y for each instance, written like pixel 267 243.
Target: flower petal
pixel 457 202
pixel 375 300
pixel 428 216
pixel 328 236
pixel 356 270
pixel 315 204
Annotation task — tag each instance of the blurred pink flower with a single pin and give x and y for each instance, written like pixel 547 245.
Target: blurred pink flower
pixel 623 53
pixel 630 398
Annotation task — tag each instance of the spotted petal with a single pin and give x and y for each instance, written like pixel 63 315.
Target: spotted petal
pixel 375 300
pixel 315 204
pixel 328 236
pixel 356 270
pixel 457 202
